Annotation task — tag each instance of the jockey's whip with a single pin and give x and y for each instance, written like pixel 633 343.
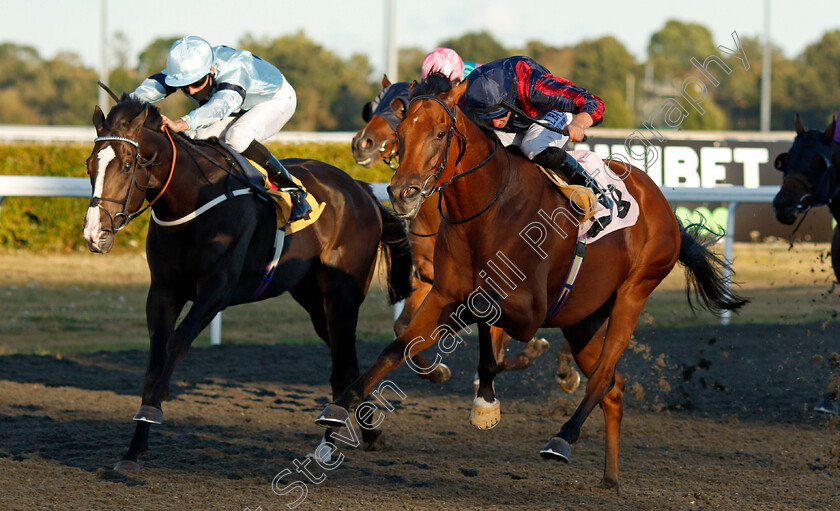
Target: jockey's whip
pixel 108 90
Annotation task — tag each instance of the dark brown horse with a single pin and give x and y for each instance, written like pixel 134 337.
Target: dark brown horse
pixel 810 170
pixel 221 257
pixel 377 140
pixel 491 196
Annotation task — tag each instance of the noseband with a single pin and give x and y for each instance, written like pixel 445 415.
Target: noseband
pixel 818 187
pixel 802 206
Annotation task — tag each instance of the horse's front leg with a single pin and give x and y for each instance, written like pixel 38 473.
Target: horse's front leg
pixel 486 411
pixel 421 286
pixel 433 322
pixel 215 288
pixel 603 380
pixel 162 311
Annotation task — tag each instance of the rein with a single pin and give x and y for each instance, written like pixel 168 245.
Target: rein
pixel 434 177
pixel 192 146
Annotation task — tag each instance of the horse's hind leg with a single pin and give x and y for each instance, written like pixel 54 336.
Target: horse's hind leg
pixel 161 314
pixel 566 375
pixel 586 348
pixel 586 355
pixel 437 312
pixel 599 366
pixel 533 349
pixel 309 296
pixel 342 298
pixel 500 340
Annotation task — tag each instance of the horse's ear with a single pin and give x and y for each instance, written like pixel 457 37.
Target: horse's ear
pixel 385 81
pixel 398 107
pixel 797 125
pixel 98 120
pixel 413 84
pixel 139 120
pixel 828 134
pixel 455 94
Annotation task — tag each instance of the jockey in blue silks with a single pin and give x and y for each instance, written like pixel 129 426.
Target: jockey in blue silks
pixel 525 105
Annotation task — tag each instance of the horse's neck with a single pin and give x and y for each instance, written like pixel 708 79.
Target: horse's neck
pixel 470 194
pixel 428 218
pixel 526 195
pixel 185 185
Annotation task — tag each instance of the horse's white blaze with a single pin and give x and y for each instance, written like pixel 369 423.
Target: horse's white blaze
pixel 92 230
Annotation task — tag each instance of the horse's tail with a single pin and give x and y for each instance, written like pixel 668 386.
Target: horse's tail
pixel 706 270
pixel 397 256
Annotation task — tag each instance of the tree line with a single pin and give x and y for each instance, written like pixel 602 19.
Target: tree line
pixel 332 90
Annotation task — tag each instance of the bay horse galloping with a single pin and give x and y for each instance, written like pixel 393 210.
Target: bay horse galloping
pixel 491 195
pixel 377 140
pixel 810 169
pixel 220 256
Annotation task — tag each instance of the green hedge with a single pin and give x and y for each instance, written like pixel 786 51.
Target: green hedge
pixel 47 224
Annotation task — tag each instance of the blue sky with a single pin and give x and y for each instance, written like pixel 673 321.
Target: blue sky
pixel 357 26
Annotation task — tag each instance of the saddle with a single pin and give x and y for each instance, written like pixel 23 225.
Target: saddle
pixel 282 201
pixel 596 221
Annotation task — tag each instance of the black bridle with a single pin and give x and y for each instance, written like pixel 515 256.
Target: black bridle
pixel 381 106
pixel 817 186
pixel 139 163
pixel 426 192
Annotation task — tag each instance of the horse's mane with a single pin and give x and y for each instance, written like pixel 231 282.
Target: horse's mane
pixel 123 112
pixel 435 83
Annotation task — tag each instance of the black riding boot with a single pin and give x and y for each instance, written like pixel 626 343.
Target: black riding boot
pixel 558 160
pixel 278 175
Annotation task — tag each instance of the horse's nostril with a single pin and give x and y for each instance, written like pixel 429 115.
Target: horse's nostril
pixel 410 192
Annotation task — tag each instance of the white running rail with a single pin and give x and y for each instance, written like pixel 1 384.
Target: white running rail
pixel 45 186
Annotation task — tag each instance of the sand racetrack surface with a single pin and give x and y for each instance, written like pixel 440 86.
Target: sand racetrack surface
pixel 715 418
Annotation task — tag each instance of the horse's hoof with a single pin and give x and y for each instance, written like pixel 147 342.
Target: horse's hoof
pixel 828 404
pixel 441 374
pixel 333 416
pixel 485 415
pixel 570 382
pixel 608 484
pixel 537 347
pixel 557 449
pixel 127 466
pixel 149 414
pixel 375 443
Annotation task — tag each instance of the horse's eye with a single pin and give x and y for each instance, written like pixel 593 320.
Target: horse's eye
pixel 781 161
pixel 440 135
pixel 127 166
